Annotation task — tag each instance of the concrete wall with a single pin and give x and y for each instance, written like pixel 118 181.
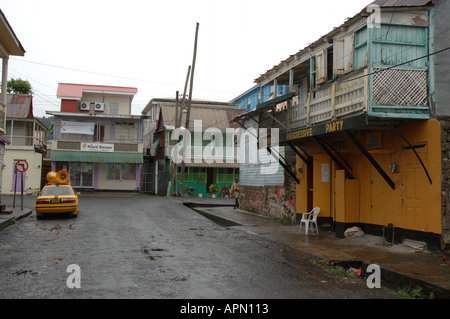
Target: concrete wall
pixel 32 176
pixel 442 60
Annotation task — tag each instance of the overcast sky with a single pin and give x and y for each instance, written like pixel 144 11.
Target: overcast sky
pixel 149 44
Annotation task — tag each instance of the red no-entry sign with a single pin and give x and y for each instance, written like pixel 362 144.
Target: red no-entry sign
pixel 21 166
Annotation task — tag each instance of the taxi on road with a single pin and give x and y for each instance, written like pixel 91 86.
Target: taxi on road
pixel 57 196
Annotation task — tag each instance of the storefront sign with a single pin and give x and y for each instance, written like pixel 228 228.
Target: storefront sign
pixel 97 147
pixel 328 128
pixel 373 141
pixel 85 128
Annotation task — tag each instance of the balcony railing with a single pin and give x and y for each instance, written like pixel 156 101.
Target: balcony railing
pixel 199 153
pixel 94 139
pixel 26 141
pixel 332 101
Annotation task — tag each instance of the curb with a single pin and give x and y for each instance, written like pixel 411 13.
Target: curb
pixel 7 220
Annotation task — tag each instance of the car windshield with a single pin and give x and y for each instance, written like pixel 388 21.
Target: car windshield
pixel 56 191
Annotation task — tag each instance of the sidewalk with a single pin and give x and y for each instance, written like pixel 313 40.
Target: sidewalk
pixel 14 215
pixel 401 265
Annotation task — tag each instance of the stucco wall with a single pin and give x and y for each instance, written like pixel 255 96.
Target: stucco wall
pixel 32 176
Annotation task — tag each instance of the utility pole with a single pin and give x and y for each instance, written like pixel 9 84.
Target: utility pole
pixel 180 109
pixel 173 164
pixel 183 165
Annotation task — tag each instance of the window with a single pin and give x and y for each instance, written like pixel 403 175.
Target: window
pixel 57 191
pixel 126 172
pixel 114 108
pixel 99 133
pixel 312 68
pixel 330 63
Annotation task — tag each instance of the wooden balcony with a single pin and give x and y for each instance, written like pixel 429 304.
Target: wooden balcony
pixel 332 101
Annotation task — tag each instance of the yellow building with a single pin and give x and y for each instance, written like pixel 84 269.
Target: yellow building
pixel 351 191
pixel 365 109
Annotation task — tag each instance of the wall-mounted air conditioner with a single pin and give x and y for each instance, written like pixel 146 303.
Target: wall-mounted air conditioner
pixel 99 107
pixel 85 106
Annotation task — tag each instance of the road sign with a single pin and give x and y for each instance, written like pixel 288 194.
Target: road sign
pixel 22 166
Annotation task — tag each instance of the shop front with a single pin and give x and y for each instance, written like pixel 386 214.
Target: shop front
pixel 384 177
pixel 100 171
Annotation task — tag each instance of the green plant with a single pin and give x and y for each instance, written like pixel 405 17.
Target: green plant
pixel 213 188
pixel 408 292
pixel 288 215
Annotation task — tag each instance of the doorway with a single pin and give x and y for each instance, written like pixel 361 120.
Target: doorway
pixel 81 175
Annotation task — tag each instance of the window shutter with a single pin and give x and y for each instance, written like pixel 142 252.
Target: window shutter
pixel 343 55
pixel 338 57
pixel 321 67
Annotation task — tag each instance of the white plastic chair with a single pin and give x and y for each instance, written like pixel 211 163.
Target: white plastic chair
pixel 310 218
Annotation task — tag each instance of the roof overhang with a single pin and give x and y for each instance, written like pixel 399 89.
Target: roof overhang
pixel 262 107
pixel 9 43
pixel 97 157
pixel 100 115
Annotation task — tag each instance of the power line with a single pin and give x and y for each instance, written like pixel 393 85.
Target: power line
pixel 112 75
pixel 397 65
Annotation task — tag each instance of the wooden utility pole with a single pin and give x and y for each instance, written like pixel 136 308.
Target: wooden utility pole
pixel 173 166
pixel 183 164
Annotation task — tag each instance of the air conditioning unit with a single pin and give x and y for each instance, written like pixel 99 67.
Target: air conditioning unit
pixel 99 107
pixel 85 106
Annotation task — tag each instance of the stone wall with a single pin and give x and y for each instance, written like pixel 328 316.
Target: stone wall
pixel 272 201
pixel 445 182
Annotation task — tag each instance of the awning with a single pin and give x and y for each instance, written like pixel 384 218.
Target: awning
pixel 96 157
pixel 262 107
pixel 278 99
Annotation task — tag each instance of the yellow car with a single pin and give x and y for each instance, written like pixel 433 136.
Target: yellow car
pixel 57 198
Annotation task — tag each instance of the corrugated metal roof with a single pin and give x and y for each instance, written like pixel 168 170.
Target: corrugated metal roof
pixel 210 117
pixel 19 106
pixel 401 3
pixel 72 90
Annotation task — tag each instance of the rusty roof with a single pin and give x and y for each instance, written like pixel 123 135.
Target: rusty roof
pixel 220 118
pixel 19 106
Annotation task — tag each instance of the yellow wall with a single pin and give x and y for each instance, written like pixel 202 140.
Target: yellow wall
pixel 322 184
pixel 415 204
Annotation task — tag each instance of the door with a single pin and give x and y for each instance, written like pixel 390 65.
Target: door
pixel 322 182
pixel 148 185
pixel 87 175
pixel 416 208
pixel 81 174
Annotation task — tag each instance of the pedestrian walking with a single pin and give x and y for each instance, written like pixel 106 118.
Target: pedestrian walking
pixel 236 192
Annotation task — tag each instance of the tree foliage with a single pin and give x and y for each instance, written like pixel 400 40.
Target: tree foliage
pixel 19 86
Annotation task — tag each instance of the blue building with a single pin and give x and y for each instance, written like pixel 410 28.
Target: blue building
pixel 251 98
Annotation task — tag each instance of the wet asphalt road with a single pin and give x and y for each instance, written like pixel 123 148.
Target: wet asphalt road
pixel 153 247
